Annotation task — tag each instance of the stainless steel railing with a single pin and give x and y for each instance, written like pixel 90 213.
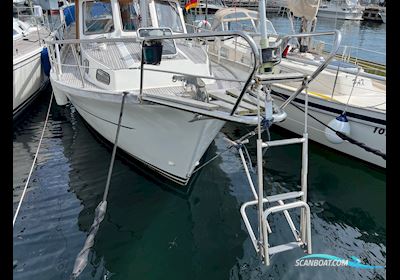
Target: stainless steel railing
pixel 55 57
pixel 284 41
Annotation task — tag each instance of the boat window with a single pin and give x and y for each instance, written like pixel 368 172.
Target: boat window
pixel 129 15
pixel 240 25
pixel 270 27
pixel 253 14
pixel 168 15
pixel 236 15
pixel 169 47
pixel 97 17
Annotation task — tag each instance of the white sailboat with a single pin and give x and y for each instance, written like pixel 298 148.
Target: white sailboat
pixel 29 57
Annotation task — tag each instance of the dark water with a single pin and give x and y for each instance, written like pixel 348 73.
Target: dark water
pixel 151 232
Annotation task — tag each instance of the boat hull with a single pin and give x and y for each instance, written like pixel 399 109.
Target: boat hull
pixel 165 139
pixel 340 15
pixel 366 126
pixel 28 80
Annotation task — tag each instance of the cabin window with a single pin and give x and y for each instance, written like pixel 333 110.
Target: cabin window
pixel 129 15
pixel 86 65
pixel 236 15
pixel 169 47
pixel 253 14
pixel 97 17
pixel 270 27
pixel 103 76
pixel 168 15
pixel 240 25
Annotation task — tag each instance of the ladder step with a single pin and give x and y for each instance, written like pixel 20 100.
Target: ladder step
pixel 283 142
pixel 284 247
pixel 284 196
pixel 281 77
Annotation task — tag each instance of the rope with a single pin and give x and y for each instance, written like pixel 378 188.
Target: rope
pixel 343 136
pixel 82 258
pixel 212 159
pixel 351 92
pixel 34 161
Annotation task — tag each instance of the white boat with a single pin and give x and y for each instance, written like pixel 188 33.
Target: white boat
pixel 148 81
pixel 167 123
pixel 29 57
pixel 383 15
pixel 331 93
pixel 341 9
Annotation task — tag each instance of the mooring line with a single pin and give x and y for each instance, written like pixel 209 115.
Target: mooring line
pixel 82 258
pixel 34 161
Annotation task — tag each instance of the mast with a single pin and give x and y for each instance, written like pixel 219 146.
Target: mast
pixel 205 17
pixel 263 23
pixel 77 18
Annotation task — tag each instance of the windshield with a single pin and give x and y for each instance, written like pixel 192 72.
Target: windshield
pixel 129 16
pixel 240 25
pixel 270 27
pixel 98 17
pixel 168 16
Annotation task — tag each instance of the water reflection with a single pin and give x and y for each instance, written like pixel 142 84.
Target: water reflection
pixel 151 232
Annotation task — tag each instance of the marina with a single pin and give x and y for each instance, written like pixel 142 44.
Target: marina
pixel 173 144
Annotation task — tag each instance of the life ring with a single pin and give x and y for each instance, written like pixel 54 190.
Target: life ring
pixel 203 23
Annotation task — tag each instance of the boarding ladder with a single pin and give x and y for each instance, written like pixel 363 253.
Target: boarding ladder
pixel 282 202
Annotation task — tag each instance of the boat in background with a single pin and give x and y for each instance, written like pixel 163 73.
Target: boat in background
pixel 342 87
pixel 31 65
pixel 383 15
pixel 374 13
pixel 341 9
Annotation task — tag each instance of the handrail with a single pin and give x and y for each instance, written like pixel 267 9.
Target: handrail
pixel 246 37
pixel 335 47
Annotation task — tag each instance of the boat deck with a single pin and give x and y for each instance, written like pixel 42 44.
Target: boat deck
pixel 219 92
pixel 32 41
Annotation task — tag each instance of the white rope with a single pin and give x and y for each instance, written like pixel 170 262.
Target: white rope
pixel 34 161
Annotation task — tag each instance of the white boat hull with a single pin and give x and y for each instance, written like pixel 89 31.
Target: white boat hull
pixel 337 14
pixel 28 79
pixel 366 126
pixel 165 139
pixel 383 17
